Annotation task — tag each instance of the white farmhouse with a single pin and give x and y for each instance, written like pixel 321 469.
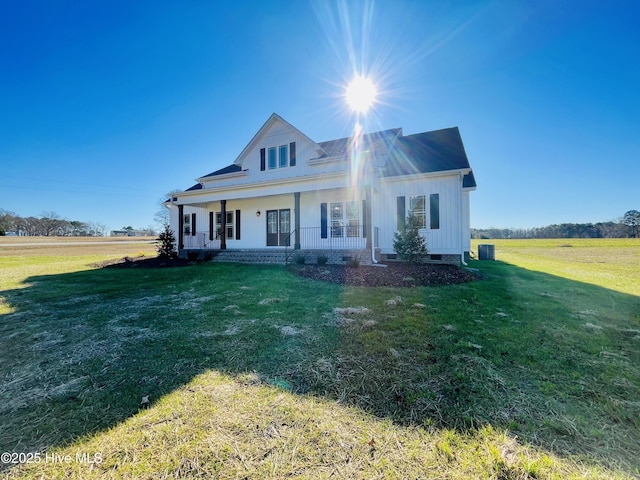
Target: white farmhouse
pixel 287 194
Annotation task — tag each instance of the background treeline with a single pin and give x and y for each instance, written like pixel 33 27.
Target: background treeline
pixel 628 226
pixel 50 224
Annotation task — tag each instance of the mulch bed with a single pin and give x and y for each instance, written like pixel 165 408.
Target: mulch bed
pixel 144 262
pixel 386 275
pixel 389 275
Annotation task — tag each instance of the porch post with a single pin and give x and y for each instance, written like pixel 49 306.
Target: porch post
pixel 367 217
pixel 296 213
pixel 223 224
pixel 180 227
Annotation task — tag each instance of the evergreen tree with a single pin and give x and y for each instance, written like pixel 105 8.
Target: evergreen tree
pixel 167 245
pixel 408 243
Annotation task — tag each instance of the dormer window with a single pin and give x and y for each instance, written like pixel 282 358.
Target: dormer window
pixel 283 160
pixel 278 157
pixel 272 158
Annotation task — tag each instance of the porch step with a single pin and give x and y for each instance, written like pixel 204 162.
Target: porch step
pixel 250 256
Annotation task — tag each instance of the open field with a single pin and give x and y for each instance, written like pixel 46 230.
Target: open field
pixel 74 246
pixel 609 262
pixel 240 371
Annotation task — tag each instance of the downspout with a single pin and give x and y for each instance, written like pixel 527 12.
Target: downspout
pixel 369 215
pixel 373 247
pixel 464 264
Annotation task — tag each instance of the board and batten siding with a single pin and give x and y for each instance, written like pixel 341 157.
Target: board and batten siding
pixel 277 135
pixel 466 221
pixel 445 240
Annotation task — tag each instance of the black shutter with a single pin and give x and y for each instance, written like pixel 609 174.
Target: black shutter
pixel 180 227
pixel 193 224
pixel 262 159
pixel 434 210
pixel 292 154
pixel 364 219
pixel 237 224
pixel 401 212
pixel 210 225
pixel 323 220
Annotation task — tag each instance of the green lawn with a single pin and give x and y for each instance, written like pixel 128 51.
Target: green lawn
pixel 252 372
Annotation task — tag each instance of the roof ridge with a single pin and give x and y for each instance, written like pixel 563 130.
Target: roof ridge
pixel 455 127
pixel 364 134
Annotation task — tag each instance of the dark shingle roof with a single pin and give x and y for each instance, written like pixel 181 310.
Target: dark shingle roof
pixel 377 143
pixel 427 152
pixel 435 151
pixel 228 169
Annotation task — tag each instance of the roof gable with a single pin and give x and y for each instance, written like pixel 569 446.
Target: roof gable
pixel 273 121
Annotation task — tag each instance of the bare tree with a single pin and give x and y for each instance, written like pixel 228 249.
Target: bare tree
pixel 50 222
pixel 8 221
pixel 162 215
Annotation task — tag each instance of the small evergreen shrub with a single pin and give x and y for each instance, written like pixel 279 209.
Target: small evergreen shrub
pixel 193 255
pixel 408 243
pixel 322 259
pixel 299 259
pixel 207 256
pixel 167 243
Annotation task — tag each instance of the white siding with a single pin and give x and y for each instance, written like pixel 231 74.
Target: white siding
pixel 446 239
pixel 466 222
pixel 275 136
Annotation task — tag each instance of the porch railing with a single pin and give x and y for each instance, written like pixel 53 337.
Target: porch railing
pixel 346 237
pixel 200 241
pixel 335 238
pixel 349 237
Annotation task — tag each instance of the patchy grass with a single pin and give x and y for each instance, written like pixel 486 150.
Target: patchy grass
pixel 233 371
pixel 608 262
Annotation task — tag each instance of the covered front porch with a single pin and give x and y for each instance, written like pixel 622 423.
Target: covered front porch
pixel 333 223
pixel 336 247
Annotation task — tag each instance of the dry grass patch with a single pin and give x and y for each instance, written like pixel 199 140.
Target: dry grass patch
pixel 226 428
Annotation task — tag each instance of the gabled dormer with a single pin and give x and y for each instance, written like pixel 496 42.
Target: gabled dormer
pixel 277 145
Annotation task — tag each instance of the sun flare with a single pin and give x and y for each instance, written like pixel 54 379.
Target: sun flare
pixel 361 94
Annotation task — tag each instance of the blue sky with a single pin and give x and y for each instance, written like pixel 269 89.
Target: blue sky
pixel 107 105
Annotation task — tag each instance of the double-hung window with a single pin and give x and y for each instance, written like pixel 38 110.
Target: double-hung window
pixel 186 224
pixel 418 210
pixel 353 215
pixel 229 226
pixel 337 222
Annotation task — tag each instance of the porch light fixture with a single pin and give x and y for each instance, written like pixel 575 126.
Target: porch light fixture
pixel 258 213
